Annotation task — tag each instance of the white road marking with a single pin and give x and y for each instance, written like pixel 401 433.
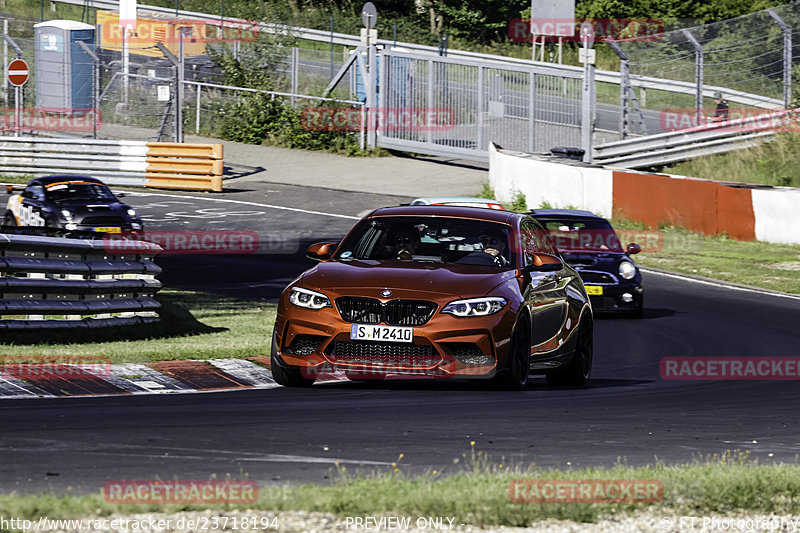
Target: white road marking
pixel 720 285
pixel 255 204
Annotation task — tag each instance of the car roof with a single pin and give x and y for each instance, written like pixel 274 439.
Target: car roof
pixel 431 200
pixel 477 213
pixel 46 180
pixel 576 213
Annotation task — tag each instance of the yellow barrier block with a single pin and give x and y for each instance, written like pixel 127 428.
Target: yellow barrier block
pixel 178 181
pixel 185 166
pixel 195 150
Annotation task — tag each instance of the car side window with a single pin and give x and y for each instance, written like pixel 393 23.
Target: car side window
pixel 35 192
pixel 535 239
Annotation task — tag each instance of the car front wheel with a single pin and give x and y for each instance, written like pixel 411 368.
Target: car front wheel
pixel 519 358
pixel 580 367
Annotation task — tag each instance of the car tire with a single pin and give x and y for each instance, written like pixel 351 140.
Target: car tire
pixel 284 375
pixel 10 220
pixel 578 370
pixel 519 358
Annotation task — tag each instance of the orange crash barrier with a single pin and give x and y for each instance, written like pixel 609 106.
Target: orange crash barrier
pixel 184 166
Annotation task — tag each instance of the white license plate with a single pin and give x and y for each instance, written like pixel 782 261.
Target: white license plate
pixel 366 332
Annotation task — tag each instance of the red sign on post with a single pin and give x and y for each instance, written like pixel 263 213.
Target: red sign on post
pixel 17 72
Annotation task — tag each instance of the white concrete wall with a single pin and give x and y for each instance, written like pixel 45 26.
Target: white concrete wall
pixel 560 185
pixel 777 213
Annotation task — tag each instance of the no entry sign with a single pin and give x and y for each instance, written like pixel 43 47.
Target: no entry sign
pixel 17 72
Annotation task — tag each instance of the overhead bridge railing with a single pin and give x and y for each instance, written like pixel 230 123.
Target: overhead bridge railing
pixel 63 282
pixel 139 163
pixel 708 139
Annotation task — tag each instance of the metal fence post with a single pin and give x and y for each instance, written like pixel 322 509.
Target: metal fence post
pixel 95 84
pixel 179 93
pixel 430 105
pixel 5 59
pixel 294 73
pixel 531 112
pixel 479 109
pixel 698 54
pixel 787 57
pixel 372 94
pixel 198 88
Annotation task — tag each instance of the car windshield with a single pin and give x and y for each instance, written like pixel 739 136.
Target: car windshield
pixel 429 239
pixel 79 191
pixel 589 234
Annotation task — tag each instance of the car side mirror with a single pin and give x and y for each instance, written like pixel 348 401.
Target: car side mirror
pixel 321 251
pixel 541 262
pixel 633 248
pixel 119 194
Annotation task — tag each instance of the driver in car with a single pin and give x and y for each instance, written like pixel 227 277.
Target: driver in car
pixel 406 241
pixel 494 244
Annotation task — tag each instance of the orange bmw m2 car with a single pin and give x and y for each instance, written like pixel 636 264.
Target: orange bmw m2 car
pixel 449 292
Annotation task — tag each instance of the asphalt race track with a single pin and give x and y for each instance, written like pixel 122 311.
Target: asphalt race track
pixel 273 436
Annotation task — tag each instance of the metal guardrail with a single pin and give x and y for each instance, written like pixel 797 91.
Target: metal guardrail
pixel 605 76
pixel 137 163
pixel 709 139
pixel 64 282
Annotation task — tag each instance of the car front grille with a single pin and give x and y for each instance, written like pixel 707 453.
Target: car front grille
pixel 384 354
pixel 104 221
pixel 393 313
pixel 604 303
pixel 595 277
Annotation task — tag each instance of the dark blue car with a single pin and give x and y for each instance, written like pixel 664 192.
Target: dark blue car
pixel 590 245
pixel 71 202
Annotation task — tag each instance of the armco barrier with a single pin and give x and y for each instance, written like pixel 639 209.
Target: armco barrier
pixel 138 163
pixel 740 210
pixel 55 282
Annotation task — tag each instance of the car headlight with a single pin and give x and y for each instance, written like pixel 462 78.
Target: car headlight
pixel 132 213
pixel 308 299
pixel 66 213
pixel 627 270
pixel 475 306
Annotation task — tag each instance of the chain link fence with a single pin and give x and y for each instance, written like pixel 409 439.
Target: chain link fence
pixel 103 98
pixel 749 55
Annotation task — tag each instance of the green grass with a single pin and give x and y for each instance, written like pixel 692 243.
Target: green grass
pixel 772 163
pixel 194 325
pixel 758 264
pixel 475 490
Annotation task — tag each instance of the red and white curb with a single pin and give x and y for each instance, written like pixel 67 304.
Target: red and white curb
pixel 161 377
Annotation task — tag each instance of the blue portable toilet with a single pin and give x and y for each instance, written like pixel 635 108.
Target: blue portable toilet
pixel 64 72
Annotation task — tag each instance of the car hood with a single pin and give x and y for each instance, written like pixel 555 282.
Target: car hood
pixel 405 279
pixel 92 206
pixel 585 259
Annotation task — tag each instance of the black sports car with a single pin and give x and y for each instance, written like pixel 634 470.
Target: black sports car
pixel 70 202
pixel 591 246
